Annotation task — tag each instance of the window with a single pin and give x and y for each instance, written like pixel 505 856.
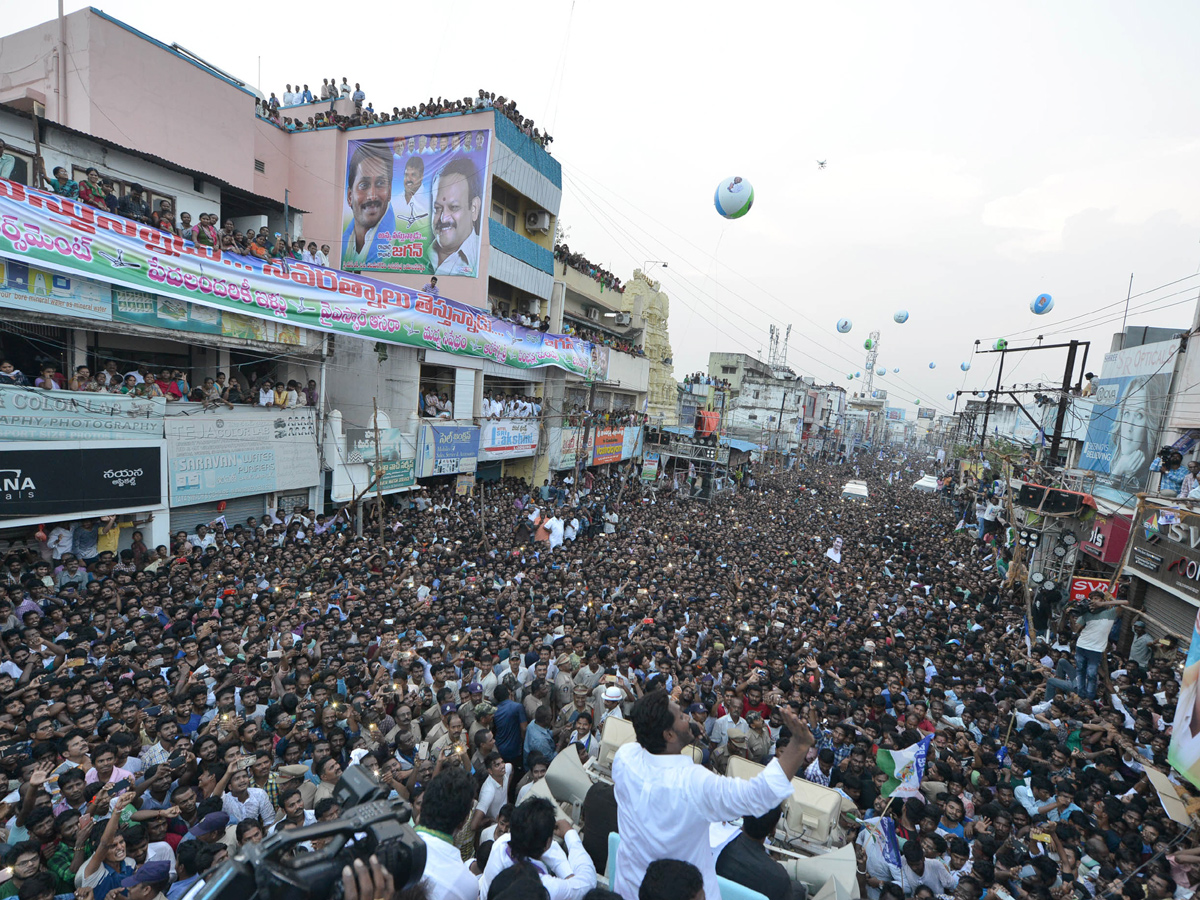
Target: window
pixel 728 370
pixel 756 395
pixel 506 206
pixel 22 172
pixel 260 166
pixel 121 188
pixel 753 417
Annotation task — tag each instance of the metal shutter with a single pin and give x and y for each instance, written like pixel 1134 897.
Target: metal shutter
pixel 1175 611
pixel 236 512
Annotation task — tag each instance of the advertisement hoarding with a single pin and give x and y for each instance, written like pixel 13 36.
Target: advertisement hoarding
pixel 447 450
pixel 216 455
pixel 397 474
pixel 416 205
pixel 607 445
pixel 35 415
pixel 508 438
pixel 1131 400
pixel 25 287
pixel 68 237
pixel 570 441
pixel 51 478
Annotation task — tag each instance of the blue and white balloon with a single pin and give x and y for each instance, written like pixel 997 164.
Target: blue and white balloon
pixel 966 367
pixel 844 325
pixel 881 371
pixel 896 371
pixel 858 374
pixel 900 317
pixel 933 365
pixel 949 396
pixel 1041 304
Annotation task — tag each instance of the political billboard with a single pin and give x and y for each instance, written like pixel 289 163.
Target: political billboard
pixel 1131 396
pixel 416 205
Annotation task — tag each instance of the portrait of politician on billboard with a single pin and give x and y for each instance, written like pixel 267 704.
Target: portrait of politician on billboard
pixel 416 205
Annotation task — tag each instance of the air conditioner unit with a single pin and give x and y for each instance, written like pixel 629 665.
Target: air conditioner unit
pixel 593 314
pixel 537 220
pixel 622 319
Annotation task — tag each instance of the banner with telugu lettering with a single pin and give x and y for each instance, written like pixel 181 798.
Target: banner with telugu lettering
pixel 67 236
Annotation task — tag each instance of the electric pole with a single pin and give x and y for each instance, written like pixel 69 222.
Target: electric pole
pixel 379 467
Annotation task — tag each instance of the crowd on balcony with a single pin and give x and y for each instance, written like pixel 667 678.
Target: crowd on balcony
pixel 364 113
pixel 499 405
pixel 578 414
pixel 582 264
pixel 100 192
pixel 613 342
pixel 700 378
pixel 171 384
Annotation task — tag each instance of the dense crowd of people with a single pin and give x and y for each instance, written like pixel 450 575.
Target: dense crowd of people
pixel 364 113
pixel 170 384
pixel 166 706
pixel 581 263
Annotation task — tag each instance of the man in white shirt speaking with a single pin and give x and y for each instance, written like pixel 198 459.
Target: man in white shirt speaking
pixel 665 802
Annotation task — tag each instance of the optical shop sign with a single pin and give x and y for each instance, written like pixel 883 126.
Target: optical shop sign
pixel 1168 552
pixel 67 236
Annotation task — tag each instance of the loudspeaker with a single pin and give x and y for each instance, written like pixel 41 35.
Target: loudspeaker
pixel 1049 500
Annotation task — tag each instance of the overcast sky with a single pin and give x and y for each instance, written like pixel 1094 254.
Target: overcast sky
pixel 978 155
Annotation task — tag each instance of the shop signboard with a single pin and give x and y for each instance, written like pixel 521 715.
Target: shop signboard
pixel 608 445
pixel 42 478
pixel 1167 554
pixel 447 450
pixel 508 438
pixel 35 415
pixel 397 474
pixel 217 454
pixel 1106 538
pixel 570 441
pixel 59 294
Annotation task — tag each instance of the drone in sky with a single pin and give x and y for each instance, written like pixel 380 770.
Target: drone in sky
pixel 820 163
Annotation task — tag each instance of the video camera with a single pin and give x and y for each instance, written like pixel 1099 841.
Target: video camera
pixel 280 869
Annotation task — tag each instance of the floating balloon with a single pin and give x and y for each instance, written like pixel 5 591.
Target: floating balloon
pixel 1041 304
pixel 858 374
pixel 982 395
pixel 896 371
pixel 734 197
pixel 918 402
pixel 844 325
pixel 849 377
pixel 1000 344
pixel 933 365
pixel 966 367
pixel 900 317
pixel 881 371
pixel 949 396
pixel 868 344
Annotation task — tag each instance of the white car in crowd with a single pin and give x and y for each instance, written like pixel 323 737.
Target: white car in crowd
pixel 927 485
pixel 855 490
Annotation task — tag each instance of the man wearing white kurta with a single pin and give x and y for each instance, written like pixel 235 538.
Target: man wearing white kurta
pixel 665 802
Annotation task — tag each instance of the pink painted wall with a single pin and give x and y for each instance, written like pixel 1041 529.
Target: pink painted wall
pixel 122 86
pixel 118 86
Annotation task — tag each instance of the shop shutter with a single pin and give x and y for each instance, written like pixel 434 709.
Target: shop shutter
pixel 236 512
pixel 1166 607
